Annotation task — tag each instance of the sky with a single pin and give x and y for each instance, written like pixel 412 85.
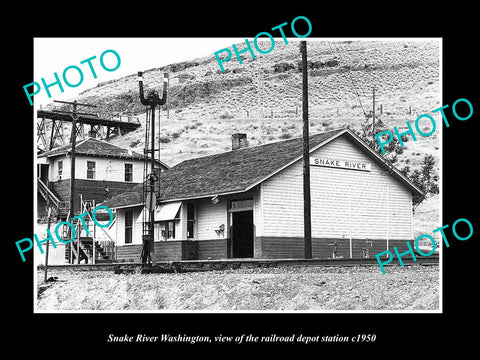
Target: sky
pixel 136 54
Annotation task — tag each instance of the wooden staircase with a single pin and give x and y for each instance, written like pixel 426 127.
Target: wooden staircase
pixel 62 207
pixel 68 251
pixel 91 250
pixel 87 253
pixel 101 255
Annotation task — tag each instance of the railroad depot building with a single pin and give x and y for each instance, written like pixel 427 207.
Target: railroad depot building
pixel 248 203
pixel 101 170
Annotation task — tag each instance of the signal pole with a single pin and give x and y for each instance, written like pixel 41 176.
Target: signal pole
pixel 307 218
pixel 151 101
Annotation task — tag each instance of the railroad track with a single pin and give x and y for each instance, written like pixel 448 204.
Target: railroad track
pixel 230 264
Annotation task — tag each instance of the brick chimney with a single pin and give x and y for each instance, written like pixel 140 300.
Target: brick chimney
pixel 239 141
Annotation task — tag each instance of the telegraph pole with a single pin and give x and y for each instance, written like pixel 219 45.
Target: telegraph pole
pixel 73 139
pixel 373 119
pixel 307 218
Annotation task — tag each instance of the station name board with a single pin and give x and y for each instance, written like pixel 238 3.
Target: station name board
pixel 344 164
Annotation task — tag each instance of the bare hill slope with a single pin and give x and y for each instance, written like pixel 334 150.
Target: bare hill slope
pixel 262 97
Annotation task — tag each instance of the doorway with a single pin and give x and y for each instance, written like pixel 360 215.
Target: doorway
pixel 42 173
pixel 242 234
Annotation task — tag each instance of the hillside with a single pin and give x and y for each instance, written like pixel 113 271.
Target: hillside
pixel 262 97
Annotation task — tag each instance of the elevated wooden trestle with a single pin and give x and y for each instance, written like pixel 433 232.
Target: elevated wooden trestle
pixel 99 127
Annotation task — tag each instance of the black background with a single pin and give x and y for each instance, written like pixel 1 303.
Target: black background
pixel 402 334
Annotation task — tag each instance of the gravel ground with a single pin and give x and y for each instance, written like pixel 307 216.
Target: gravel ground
pixel 283 288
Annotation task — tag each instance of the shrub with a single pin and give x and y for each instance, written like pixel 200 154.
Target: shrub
pixel 165 139
pixel 176 134
pixel 135 143
pixel 226 115
pixel 285 135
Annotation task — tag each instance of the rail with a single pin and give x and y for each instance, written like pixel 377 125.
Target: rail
pixel 47 193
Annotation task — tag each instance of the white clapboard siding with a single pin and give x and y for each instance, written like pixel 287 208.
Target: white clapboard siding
pixel 344 202
pixel 56 255
pixel 108 169
pixel 209 218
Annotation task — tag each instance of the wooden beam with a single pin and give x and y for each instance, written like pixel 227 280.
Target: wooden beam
pixel 307 220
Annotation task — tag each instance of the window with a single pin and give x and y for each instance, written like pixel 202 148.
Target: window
pixel 171 230
pixel 128 226
pixel 168 230
pixel 190 221
pixel 59 169
pixel 90 169
pixel 128 172
pixel 241 205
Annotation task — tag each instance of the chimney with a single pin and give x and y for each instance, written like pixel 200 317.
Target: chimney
pixel 239 141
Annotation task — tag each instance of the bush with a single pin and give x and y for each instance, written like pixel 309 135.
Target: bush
pixel 176 134
pixel 285 136
pixel 226 115
pixel 165 139
pixel 135 143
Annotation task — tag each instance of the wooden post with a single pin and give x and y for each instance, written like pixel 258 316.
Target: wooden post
pixel 73 140
pixel 373 119
pixel 48 242
pixel 307 223
pixel 94 260
pixel 168 100
pixel 388 218
pixel 350 218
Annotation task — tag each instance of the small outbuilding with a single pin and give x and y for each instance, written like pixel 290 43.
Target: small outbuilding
pixel 248 203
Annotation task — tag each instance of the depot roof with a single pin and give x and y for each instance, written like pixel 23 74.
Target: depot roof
pixel 96 147
pixel 239 170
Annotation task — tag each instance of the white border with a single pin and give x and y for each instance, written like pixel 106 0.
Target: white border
pixel 227 41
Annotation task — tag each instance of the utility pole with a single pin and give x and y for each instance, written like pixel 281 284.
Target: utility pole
pixel 49 207
pixel 152 101
pixel 260 91
pixel 73 140
pixel 373 119
pixel 307 218
pixel 168 109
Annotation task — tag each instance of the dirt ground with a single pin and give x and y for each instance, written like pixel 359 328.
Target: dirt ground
pixel 313 288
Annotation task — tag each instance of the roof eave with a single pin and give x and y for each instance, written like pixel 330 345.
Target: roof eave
pixel 295 160
pixel 413 188
pixel 226 193
pixel 125 206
